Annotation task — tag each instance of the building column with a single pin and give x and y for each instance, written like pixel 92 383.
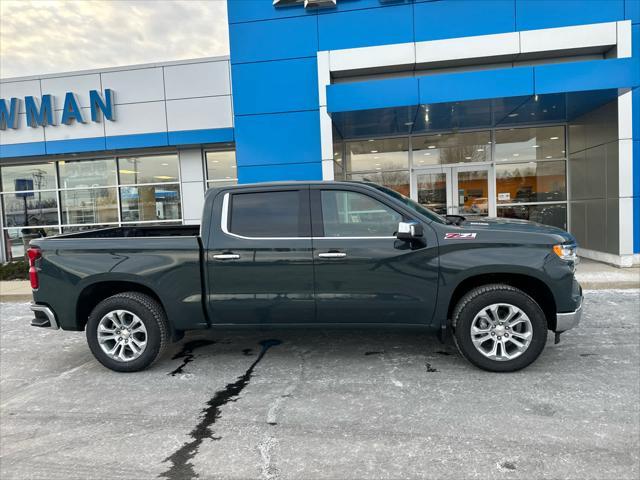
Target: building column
pixel 192 184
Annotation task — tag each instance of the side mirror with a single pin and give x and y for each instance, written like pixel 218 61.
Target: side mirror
pixel 410 230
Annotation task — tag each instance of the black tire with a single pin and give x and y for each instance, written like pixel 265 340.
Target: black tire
pixel 481 297
pixel 149 311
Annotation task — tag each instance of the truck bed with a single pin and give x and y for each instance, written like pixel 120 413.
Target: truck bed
pixel 150 231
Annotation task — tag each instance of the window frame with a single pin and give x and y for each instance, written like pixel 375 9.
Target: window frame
pixel 227 212
pixel 317 220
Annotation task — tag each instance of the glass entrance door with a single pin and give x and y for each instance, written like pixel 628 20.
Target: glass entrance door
pixel 432 189
pixel 466 190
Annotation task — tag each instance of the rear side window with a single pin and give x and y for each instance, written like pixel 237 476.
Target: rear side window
pixel 270 214
pixel 352 214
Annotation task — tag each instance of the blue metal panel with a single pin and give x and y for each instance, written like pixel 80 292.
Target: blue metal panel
pixel 632 10
pixel 362 28
pixel 462 18
pixel 270 173
pixel 75 145
pixel 22 149
pixel 277 139
pixel 208 135
pixel 259 41
pixel 278 86
pixel 397 92
pixel 636 196
pixel 534 14
pixel 251 10
pixel 506 82
pixel 140 140
pixel 347 5
pixel 583 76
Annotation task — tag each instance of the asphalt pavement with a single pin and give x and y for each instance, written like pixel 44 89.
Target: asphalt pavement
pixel 323 404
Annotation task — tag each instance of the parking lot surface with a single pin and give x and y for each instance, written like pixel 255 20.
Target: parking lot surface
pixel 323 404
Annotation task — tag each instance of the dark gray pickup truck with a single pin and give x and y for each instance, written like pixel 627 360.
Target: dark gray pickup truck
pixel 305 253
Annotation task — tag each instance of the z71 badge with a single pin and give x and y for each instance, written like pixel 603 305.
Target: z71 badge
pixel 460 236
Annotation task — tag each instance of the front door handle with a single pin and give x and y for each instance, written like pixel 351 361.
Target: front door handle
pixel 332 255
pixel 227 256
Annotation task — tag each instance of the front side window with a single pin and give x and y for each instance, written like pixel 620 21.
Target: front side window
pixel 269 215
pixel 352 214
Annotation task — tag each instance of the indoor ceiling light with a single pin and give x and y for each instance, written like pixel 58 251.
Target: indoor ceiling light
pixel 162 177
pixel 512 115
pixel 516 154
pixel 374 151
pixel 553 138
pixel 535 146
pixel 548 156
pixel 408 124
pixel 431 146
pixel 371 140
pixel 128 172
pixel 166 164
pixel 428 154
pixel 467 158
pixel 481 150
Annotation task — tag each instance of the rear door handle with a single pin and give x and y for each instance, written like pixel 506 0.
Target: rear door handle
pixel 332 255
pixel 227 256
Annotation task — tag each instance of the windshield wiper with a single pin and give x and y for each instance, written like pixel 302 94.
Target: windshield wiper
pixel 455 219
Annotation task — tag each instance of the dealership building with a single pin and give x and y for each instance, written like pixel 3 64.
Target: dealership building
pixel 524 109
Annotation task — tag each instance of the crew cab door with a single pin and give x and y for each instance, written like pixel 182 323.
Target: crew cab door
pixel 363 273
pixel 260 263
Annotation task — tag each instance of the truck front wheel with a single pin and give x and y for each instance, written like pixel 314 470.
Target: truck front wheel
pixel 127 332
pixel 499 328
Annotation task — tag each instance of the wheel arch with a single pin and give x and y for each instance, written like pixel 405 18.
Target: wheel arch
pixel 532 286
pixel 91 295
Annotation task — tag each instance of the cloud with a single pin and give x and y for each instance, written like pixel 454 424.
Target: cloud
pixel 51 36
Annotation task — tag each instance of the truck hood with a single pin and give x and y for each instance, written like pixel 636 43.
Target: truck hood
pixel 510 225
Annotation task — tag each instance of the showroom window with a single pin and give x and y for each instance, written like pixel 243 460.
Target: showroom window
pixel 149 188
pixel 451 148
pixel 527 166
pixel 382 161
pixel 221 168
pixel 48 198
pixel 531 174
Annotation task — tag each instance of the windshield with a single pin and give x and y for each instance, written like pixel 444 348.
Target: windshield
pixel 415 206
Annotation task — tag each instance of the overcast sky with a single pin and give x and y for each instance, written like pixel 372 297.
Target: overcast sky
pixel 49 36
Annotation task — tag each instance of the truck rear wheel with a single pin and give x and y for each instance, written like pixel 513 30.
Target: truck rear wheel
pixel 127 332
pixel 499 328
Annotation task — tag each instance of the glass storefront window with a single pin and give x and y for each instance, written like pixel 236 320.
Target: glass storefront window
pixel 151 169
pixel 150 203
pixel 473 192
pixel 41 176
pixel 15 239
pixel 87 174
pixel 432 191
pixel 398 181
pixel 451 148
pixel 221 165
pixel 547 214
pixel 95 205
pixel 530 143
pixel 378 155
pixel 30 208
pixel 531 182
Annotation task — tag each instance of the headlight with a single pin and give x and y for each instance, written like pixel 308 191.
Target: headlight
pixel 566 252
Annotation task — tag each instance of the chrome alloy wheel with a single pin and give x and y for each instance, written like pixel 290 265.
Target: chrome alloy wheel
pixel 501 331
pixel 122 335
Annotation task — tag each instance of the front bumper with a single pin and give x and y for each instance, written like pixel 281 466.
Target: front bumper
pixel 567 321
pixel 44 317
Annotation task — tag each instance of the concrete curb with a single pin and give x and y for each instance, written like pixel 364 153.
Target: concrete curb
pixel 16 297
